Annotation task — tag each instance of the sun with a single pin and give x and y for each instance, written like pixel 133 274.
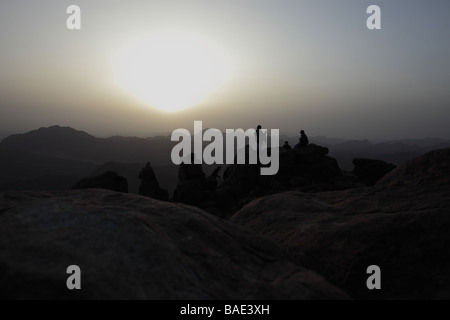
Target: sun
pixel 172 70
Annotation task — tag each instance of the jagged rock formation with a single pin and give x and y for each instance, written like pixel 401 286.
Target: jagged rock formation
pixel 109 181
pixel 191 184
pixel 134 247
pixel 401 224
pixel 149 186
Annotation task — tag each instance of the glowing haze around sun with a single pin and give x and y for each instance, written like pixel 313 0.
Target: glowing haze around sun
pixel 172 70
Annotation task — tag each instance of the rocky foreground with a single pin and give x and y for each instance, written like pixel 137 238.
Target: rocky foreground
pixel 402 224
pixel 133 247
pixel 290 245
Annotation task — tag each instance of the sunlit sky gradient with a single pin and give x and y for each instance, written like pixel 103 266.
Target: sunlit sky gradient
pixel 309 65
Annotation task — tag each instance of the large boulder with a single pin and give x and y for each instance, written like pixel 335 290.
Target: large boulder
pixel 309 153
pixel 310 162
pixel 109 180
pixel 402 225
pixel 370 171
pixel 430 168
pixel 134 247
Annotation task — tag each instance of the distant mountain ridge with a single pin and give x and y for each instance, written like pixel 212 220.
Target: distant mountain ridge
pixel 393 151
pixel 69 143
pixel 396 152
pixel 65 154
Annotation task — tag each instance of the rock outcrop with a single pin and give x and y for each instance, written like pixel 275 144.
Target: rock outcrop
pixel 310 162
pixel 134 247
pixel 370 171
pixel 149 186
pixel 432 168
pixel 109 180
pixel 307 169
pixel 402 225
pixel 191 184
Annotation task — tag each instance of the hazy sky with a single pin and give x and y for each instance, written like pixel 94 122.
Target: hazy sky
pixel 294 65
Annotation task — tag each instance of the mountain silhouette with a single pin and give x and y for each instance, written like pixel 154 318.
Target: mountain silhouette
pixel 53 158
pixel 67 155
pixel 395 151
pixel 68 143
pixel 53 140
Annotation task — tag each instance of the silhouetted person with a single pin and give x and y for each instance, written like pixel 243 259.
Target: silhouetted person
pixel 286 146
pixel 260 140
pixel 149 184
pixel 303 139
pixel 257 136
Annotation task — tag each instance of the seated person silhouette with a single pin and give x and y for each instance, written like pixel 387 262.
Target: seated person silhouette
pixel 303 139
pixel 286 146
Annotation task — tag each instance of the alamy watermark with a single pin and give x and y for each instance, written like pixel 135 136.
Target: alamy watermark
pixel 73 22
pixel 74 280
pixel 257 152
pixel 374 280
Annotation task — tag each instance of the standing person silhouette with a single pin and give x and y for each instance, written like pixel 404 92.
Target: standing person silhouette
pixel 303 139
pixel 260 141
